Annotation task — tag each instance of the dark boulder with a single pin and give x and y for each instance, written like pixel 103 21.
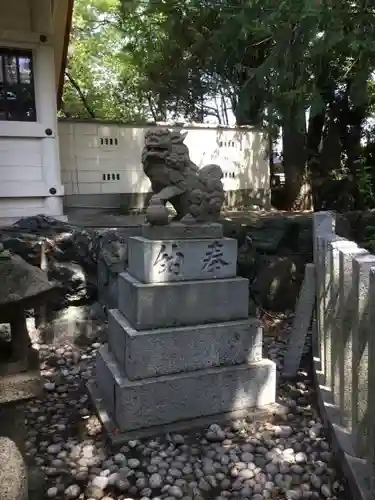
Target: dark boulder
pixel 68 254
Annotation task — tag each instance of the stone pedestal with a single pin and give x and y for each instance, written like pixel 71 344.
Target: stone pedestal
pixel 181 345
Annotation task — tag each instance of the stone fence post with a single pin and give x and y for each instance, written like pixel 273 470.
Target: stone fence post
pixel 370 421
pixel 323 227
pixel 362 332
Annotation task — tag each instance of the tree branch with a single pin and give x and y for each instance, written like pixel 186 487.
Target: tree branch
pixel 81 94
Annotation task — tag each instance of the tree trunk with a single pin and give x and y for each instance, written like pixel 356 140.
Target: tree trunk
pixel 314 138
pixel 297 192
pixel 352 118
pixel 297 182
pixel 353 153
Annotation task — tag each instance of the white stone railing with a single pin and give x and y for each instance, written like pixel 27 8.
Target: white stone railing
pixel 344 347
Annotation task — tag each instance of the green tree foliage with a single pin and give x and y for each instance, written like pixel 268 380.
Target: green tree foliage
pixel 100 81
pixel 273 61
pixel 268 62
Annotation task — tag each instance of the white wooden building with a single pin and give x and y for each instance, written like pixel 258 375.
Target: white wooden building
pixel 34 36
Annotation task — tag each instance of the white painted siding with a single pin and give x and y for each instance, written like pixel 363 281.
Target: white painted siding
pixel 21 168
pixel 19 207
pixel 90 152
pixel 18 152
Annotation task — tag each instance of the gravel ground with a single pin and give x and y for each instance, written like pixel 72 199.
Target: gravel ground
pixel 289 459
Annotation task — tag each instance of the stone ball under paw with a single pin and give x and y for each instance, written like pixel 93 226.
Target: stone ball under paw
pixel 157 215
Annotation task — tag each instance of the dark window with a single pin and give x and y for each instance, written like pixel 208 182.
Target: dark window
pixel 17 96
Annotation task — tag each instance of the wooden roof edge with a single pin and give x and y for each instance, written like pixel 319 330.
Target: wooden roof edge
pixel 68 27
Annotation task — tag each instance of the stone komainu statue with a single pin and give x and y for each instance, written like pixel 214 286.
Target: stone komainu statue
pixel 193 191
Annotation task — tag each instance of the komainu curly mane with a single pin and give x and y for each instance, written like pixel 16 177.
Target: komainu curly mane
pixel 175 178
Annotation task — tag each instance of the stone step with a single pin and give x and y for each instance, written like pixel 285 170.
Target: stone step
pixel 162 261
pixel 150 353
pixel 184 303
pixel 171 398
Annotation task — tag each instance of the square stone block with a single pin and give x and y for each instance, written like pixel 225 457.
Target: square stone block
pixel 181 230
pixel 163 351
pixel 183 303
pixel 161 261
pixel 170 398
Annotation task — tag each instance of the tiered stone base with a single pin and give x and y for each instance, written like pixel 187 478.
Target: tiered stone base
pixel 181 346
pixel 135 404
pixel 149 353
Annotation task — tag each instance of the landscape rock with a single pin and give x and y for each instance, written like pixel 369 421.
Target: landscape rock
pixel 112 259
pixel 72 492
pixel 70 252
pixel 215 433
pixel 272 253
pixel 278 280
pixel 267 234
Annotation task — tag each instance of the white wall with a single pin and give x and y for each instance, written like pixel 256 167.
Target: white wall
pixel 90 152
pixel 29 158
